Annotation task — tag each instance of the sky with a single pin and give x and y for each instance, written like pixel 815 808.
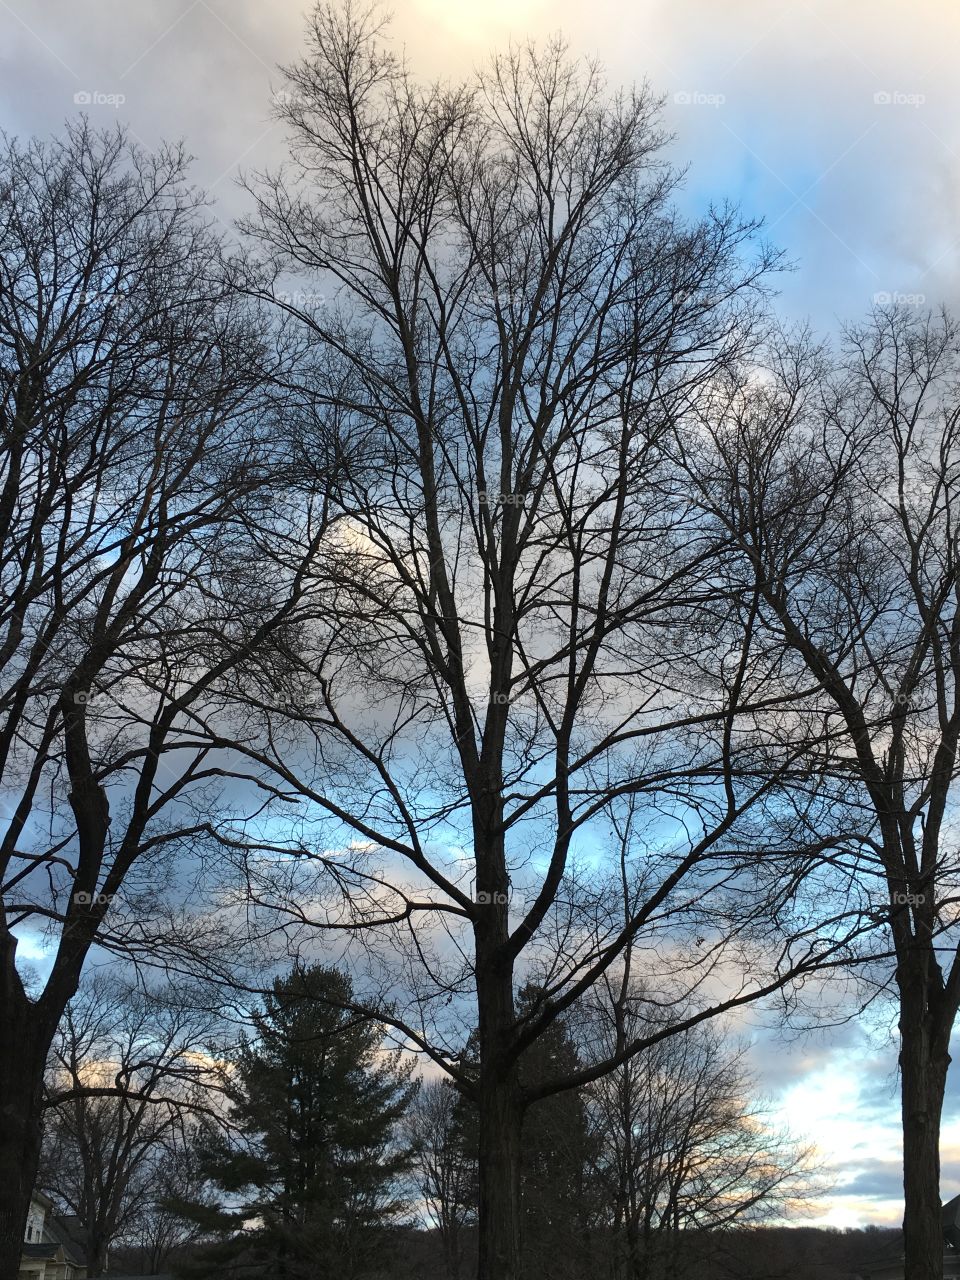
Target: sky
pixel 837 124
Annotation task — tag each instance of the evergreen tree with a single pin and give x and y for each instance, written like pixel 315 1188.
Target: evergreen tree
pixel 308 1178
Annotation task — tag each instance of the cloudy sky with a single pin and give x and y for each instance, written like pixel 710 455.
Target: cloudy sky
pixel 839 125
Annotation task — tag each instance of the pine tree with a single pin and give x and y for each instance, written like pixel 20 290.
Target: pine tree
pixel 308 1178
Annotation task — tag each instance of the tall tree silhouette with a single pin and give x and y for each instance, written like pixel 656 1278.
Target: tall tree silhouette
pixel 836 475
pixel 141 469
pixel 525 625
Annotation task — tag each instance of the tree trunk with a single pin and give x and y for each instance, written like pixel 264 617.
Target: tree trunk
pixel 923 1070
pixel 451 1245
pixel 21 1077
pixel 500 1122
pixel 19 1157
pixel 500 1103
pixel 500 1109
pixel 638 1267
pixel 97 1257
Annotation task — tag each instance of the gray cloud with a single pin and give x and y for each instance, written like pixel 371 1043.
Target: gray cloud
pixel 772 105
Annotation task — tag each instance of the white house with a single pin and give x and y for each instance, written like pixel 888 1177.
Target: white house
pixel 51 1250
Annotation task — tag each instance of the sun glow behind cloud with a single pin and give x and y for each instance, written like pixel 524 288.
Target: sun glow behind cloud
pixel 479 24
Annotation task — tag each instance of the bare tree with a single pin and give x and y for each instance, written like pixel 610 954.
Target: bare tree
pixel 141 486
pixel 685 1145
pixel 159 1229
pixel 527 629
pixel 444 1170
pixel 837 476
pixel 148 1055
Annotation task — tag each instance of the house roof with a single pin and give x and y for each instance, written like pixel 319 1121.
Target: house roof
pixel 67 1229
pixel 47 1249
